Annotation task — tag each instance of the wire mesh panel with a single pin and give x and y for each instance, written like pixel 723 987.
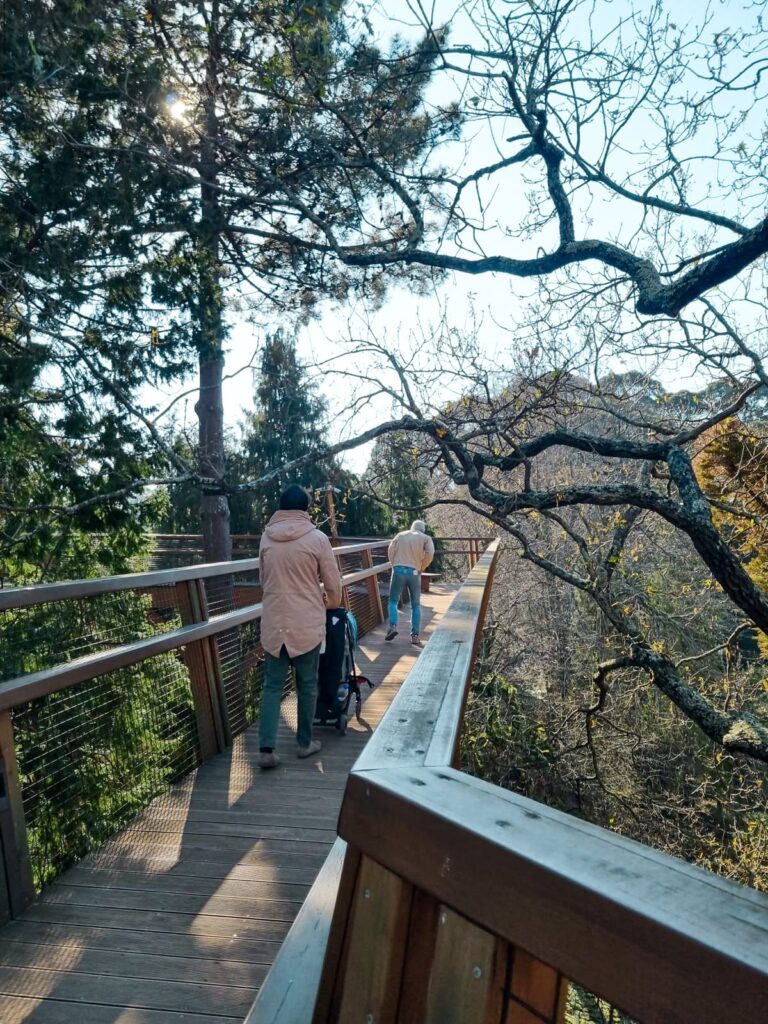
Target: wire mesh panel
pixel 239 649
pixel 91 756
pixel 242 672
pixel 358 595
pixel 45 635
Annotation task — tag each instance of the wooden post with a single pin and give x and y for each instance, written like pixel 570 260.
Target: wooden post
pixel 19 890
pixel 202 662
pixel 215 673
pixel 374 594
pixel 368 987
pixel 466 980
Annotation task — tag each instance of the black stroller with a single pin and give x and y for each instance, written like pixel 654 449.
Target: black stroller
pixel 338 681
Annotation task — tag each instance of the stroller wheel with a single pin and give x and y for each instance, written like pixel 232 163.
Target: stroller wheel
pixel 342 724
pixel 358 708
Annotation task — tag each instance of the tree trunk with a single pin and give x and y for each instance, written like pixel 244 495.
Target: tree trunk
pixel 214 505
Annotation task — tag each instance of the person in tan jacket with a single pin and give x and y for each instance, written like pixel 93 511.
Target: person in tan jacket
pixel 294 558
pixel 410 552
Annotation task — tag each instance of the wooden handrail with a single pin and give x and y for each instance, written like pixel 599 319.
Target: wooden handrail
pixel 460 900
pixel 423 723
pixel 660 938
pixel 43 593
pixel 39 684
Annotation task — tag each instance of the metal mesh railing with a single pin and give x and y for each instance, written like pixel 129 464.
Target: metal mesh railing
pixel 90 757
pixel 174 550
pixel 239 650
pixel 358 594
pixel 124 712
pixel 45 635
pixel 242 673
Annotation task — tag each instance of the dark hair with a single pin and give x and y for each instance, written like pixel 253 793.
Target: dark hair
pixel 294 499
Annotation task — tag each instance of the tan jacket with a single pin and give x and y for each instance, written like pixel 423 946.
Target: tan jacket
pixel 411 547
pixel 293 558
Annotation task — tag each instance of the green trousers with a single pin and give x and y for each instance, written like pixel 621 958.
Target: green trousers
pixel 275 675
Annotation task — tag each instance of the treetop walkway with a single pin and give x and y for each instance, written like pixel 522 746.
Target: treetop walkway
pixel 154 875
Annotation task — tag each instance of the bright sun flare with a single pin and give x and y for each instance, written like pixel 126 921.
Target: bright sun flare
pixel 178 110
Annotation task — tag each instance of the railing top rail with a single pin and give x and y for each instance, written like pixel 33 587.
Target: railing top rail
pixel 39 684
pixel 423 722
pixel 660 938
pixel 43 593
pixel 199 536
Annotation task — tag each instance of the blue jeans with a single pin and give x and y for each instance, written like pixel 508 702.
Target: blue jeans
pixel 405 576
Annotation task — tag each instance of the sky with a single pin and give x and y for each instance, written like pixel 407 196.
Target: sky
pixel 494 299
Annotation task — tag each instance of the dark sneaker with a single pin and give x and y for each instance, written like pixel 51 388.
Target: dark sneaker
pixel 391 634
pixel 415 640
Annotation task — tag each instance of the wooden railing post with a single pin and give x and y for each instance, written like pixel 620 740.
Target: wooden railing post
pixel 201 659
pixel 474 553
pixel 19 890
pixel 374 594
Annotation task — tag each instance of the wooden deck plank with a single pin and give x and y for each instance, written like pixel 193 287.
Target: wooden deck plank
pixel 229 947
pixel 146 966
pixel 175 903
pixel 199 862
pixel 167 881
pixel 159 921
pixel 177 918
pixel 211 810
pixel 238 829
pixel 170 862
pixel 31 1010
pixel 232 849
pixel 142 993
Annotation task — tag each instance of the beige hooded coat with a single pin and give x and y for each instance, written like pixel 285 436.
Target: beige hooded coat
pixel 294 557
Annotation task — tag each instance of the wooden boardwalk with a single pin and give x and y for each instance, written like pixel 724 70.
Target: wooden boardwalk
pixel 178 917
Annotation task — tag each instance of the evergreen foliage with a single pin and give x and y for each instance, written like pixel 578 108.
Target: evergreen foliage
pixel 157 156
pixel 396 476
pixel 92 756
pixel 287 421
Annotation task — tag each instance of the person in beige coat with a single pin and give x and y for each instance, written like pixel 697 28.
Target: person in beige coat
pixel 410 553
pixel 294 558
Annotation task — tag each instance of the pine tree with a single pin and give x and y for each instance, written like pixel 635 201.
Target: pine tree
pixel 163 156
pixel 396 476
pixel 288 421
